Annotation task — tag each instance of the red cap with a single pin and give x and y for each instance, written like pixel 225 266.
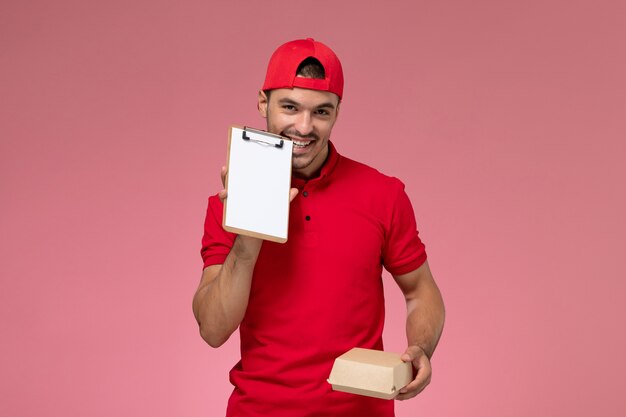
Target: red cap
pixel 284 63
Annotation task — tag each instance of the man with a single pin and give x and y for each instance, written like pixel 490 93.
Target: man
pixel 301 304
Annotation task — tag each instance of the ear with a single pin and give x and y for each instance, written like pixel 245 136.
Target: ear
pixel 337 112
pixel 262 104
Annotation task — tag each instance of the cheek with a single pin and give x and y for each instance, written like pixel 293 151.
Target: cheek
pixel 324 130
pixel 278 119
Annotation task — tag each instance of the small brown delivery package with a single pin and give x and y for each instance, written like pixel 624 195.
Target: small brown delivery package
pixel 373 373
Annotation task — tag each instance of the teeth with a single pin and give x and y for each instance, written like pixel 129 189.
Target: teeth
pixel 301 144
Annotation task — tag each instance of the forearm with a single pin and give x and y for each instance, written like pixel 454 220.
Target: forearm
pixel 425 317
pixel 221 300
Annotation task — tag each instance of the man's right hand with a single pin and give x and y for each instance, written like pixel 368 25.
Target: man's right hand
pixel 246 246
pixel 221 299
pixel 223 193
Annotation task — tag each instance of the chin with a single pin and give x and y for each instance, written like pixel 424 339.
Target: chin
pixel 299 164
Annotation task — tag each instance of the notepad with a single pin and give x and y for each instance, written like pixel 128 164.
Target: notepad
pixel 258 184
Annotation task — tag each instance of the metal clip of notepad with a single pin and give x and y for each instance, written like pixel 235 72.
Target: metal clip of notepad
pixel 246 137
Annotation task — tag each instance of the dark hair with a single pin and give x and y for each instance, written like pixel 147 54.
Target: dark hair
pixel 309 68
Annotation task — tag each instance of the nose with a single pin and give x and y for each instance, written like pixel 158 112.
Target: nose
pixel 304 124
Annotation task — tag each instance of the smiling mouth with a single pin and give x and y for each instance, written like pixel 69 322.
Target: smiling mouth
pixel 301 143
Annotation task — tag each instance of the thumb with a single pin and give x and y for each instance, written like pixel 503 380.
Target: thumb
pixel 411 353
pixel 292 194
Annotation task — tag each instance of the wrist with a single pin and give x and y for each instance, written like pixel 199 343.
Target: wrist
pixel 247 248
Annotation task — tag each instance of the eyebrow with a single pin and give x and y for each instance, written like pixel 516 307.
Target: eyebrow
pixel 295 103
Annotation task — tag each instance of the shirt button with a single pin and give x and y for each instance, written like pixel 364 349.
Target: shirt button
pixel 308 218
pixel 305 193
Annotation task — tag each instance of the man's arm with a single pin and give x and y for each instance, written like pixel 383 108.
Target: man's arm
pixel 221 299
pixel 424 324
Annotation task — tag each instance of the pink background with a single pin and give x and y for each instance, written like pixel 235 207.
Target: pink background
pixel 506 121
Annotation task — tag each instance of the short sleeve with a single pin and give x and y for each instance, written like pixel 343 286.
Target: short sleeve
pixel 216 242
pixel 403 251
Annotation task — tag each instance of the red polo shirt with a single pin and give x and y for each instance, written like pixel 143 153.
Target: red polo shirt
pixel 320 294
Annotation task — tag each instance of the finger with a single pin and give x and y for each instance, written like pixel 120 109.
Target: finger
pixel 414 387
pixel 292 194
pixel 411 353
pixel 421 381
pixel 222 195
pixel 223 173
pixel 411 390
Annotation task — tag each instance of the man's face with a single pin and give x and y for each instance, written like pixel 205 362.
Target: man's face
pixel 305 116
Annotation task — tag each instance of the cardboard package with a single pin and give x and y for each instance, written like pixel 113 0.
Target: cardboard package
pixel 373 373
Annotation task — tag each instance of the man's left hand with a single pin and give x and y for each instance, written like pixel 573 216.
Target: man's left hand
pixel 421 364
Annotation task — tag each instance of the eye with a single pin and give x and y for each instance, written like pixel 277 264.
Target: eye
pixel 323 112
pixel 289 107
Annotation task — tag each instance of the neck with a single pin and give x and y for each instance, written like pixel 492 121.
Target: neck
pixel 314 169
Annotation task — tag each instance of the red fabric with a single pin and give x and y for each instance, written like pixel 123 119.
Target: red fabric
pixel 284 63
pixel 320 294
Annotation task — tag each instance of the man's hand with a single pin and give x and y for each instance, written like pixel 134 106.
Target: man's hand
pixel 421 364
pixel 244 245
pixel 223 193
pixel 221 299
